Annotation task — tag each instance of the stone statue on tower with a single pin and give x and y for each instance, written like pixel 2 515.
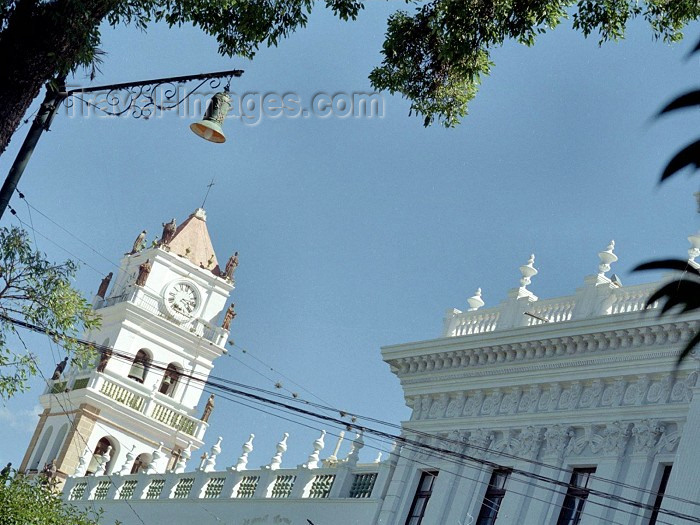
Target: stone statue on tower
pixel 104 284
pixel 139 243
pixel 228 317
pixel 169 229
pixel 144 270
pixel 231 266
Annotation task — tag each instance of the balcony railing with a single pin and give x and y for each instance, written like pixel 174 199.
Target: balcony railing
pixel 127 394
pixel 153 304
pixel 523 311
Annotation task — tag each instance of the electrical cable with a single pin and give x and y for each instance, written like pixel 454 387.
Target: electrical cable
pixel 405 440
pixel 29 205
pixel 14 212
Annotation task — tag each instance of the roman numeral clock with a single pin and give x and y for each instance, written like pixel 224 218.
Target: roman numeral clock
pixel 181 300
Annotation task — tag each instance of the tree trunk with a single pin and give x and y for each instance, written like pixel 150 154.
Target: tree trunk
pixel 40 41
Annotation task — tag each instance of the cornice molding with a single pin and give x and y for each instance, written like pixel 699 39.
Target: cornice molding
pixel 544 354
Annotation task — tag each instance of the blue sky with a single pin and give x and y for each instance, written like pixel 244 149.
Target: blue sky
pixel 357 233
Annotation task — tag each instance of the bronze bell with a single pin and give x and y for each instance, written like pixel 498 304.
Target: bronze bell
pixel 211 126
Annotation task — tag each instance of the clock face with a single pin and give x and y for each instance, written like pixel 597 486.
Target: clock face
pixel 181 300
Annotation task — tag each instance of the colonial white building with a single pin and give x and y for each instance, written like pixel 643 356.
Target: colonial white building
pixel 561 411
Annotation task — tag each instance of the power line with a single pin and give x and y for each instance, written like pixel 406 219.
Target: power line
pixel 402 439
pixel 74 427
pixel 14 212
pixel 30 206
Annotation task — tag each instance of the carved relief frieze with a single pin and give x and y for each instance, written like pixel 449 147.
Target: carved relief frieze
pixel 558 396
pixel 646 434
pixel 590 397
pixel 456 405
pixel 555 442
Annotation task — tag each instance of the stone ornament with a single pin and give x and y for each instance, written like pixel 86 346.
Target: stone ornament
pixel 475 301
pixel 277 458
pixel 243 458
pixel 354 455
pixel 104 284
pixel 82 465
pixel 126 466
pixel 102 461
pixel 528 271
pixel 231 266
pixel 139 243
pixel 607 257
pixel 228 317
pixel 639 390
pixel 169 230
pixel 646 434
pixel 557 439
pixel 318 445
pixel 210 463
pixel 155 459
pixel 185 456
pixel 144 271
pixel 208 409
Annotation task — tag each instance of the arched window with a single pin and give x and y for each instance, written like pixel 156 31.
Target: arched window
pixel 141 463
pixel 102 446
pixel 140 366
pixel 39 451
pixel 170 379
pixel 56 448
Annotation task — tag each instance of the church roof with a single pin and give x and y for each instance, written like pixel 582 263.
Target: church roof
pixel 192 241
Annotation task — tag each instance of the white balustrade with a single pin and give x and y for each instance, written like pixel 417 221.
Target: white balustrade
pixel 153 304
pixel 322 482
pixel 618 300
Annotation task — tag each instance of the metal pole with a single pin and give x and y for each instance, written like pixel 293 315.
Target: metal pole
pixel 42 121
pixel 55 94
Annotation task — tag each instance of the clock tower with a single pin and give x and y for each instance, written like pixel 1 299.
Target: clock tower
pixel 136 407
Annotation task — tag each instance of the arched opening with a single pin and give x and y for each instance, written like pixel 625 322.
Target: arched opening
pixel 39 451
pixel 140 366
pixel 170 379
pixel 97 456
pixel 56 447
pixel 141 463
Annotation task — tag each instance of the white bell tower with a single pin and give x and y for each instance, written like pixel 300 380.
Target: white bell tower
pixel 162 312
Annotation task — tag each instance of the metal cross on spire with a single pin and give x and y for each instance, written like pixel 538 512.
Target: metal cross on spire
pixel 208 190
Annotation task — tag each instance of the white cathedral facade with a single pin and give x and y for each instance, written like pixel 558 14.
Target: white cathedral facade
pixel 563 411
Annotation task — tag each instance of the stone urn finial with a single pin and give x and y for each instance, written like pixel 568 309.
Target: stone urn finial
pixel 607 257
pixel 318 445
pixel 243 459
pixel 277 458
pixel 528 271
pixel 694 250
pixel 475 301
pixel 185 456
